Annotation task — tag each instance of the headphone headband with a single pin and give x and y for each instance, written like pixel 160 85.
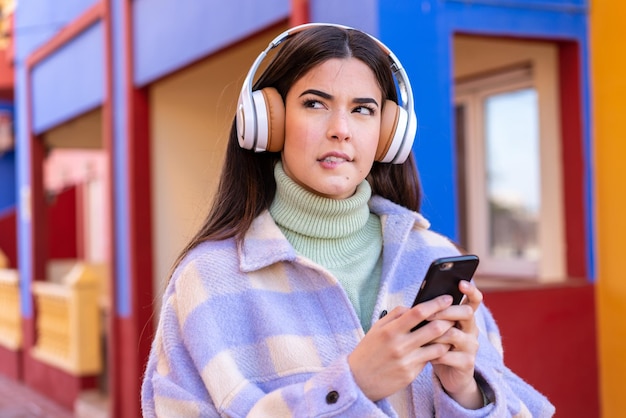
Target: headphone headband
pixel 253 125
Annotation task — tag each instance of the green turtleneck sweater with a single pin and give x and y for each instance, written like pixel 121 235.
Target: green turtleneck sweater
pixel 341 235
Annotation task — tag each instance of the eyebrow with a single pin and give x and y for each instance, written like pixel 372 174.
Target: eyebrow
pixel 324 95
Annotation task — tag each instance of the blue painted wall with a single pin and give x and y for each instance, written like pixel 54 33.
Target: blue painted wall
pixel 362 15
pixel 7 181
pixel 7 170
pixel 170 34
pixel 71 81
pixel 37 20
pixel 121 244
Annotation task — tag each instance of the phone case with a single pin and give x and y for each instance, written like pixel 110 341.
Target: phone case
pixel 443 277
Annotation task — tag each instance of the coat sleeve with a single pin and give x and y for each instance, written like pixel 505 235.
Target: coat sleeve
pixel 509 395
pixel 182 380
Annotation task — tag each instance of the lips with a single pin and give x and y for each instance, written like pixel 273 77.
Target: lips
pixel 332 160
pixel 334 157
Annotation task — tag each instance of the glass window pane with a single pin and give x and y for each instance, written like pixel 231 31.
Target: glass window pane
pixel 512 164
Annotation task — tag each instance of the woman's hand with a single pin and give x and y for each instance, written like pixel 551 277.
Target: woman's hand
pixel 455 368
pixel 390 357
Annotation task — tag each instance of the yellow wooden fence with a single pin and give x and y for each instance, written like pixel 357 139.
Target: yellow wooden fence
pixel 68 324
pixel 10 317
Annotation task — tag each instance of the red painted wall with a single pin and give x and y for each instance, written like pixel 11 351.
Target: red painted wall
pixel 8 236
pixel 549 337
pixel 11 363
pixel 62 235
pixel 56 384
pixel 62 225
pixel 572 148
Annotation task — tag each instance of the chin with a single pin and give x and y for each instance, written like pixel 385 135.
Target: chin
pixel 337 194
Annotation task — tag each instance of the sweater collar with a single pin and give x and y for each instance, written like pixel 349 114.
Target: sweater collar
pixel 264 244
pixel 303 212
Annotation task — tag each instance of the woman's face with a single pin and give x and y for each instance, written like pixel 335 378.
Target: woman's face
pixel 332 127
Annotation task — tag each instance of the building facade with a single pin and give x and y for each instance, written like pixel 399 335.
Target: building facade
pixel 121 112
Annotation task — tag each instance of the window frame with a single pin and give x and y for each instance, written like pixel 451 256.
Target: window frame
pixel 470 94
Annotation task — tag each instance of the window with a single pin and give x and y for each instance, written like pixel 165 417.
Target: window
pixel 512 174
pixel 509 168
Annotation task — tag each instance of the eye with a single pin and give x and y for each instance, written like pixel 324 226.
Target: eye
pixel 365 110
pixel 313 104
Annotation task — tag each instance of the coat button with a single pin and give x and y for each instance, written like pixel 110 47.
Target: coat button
pixel 332 397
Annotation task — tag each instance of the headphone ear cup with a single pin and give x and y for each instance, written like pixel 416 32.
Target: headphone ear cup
pixel 275 114
pixel 392 129
pixel 261 121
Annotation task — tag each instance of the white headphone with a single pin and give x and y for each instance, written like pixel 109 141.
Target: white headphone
pixel 261 113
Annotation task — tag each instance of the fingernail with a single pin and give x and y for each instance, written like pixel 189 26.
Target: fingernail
pixel 447 298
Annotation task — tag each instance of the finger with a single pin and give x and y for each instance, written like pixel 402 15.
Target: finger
pixel 459 341
pixel 390 317
pixel 458 360
pixel 474 297
pixel 430 333
pixel 430 352
pixel 454 313
pixel 424 310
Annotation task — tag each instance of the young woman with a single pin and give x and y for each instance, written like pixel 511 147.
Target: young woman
pixel 278 306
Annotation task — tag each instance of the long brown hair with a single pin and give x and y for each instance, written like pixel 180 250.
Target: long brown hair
pixel 247 185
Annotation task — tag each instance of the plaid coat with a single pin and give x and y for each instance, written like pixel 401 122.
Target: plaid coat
pixel 254 329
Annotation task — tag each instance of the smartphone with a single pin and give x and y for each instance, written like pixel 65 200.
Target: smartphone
pixel 443 277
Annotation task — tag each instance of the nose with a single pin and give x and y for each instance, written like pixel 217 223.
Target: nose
pixel 339 126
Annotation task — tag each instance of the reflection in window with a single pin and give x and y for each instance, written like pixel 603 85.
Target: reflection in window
pixel 512 174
